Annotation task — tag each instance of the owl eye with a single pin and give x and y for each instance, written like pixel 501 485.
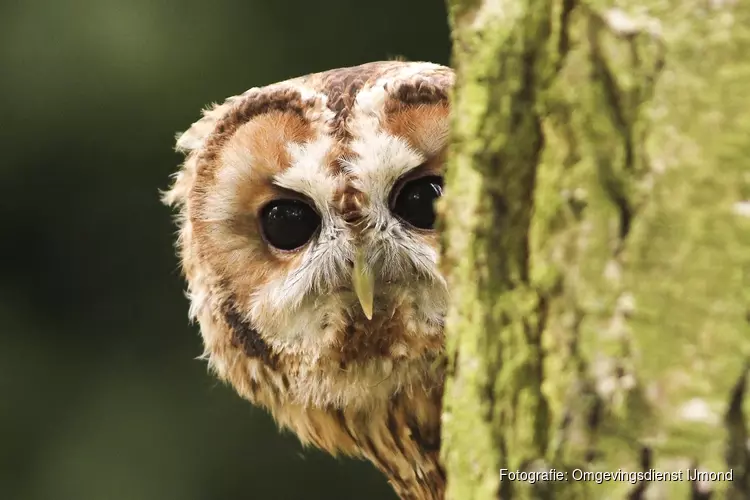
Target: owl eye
pixel 288 224
pixel 415 201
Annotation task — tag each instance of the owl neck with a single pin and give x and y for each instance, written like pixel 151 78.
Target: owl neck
pixel 400 435
pixel 402 439
pixel 409 455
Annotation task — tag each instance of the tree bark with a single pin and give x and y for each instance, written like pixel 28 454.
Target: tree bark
pixel 596 239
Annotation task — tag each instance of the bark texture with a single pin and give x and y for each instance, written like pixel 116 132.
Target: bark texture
pixel 596 235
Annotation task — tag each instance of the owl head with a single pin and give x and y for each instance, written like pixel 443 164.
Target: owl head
pixel 307 238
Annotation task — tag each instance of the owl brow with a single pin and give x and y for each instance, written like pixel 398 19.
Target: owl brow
pixel 419 91
pixel 285 100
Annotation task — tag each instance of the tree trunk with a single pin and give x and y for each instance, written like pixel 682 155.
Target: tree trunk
pixel 596 235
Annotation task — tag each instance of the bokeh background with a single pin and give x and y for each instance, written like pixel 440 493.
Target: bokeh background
pixel 101 397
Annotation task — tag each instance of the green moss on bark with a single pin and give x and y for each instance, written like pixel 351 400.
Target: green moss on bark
pixel 596 238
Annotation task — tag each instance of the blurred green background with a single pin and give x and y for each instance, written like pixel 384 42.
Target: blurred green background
pixel 101 397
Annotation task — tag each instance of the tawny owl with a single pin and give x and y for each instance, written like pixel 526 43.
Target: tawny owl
pixel 306 214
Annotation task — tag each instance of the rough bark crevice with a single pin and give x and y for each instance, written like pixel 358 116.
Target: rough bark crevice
pixel 738 454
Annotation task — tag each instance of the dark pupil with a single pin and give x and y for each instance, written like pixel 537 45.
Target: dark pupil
pixel 415 202
pixel 289 224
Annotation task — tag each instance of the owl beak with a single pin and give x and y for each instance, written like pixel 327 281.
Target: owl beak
pixel 364 284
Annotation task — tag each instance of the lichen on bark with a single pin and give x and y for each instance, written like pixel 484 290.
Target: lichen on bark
pixel 596 235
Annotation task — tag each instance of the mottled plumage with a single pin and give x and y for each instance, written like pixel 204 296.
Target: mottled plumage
pixel 287 328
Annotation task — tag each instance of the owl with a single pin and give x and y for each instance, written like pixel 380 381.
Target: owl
pixel 306 214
